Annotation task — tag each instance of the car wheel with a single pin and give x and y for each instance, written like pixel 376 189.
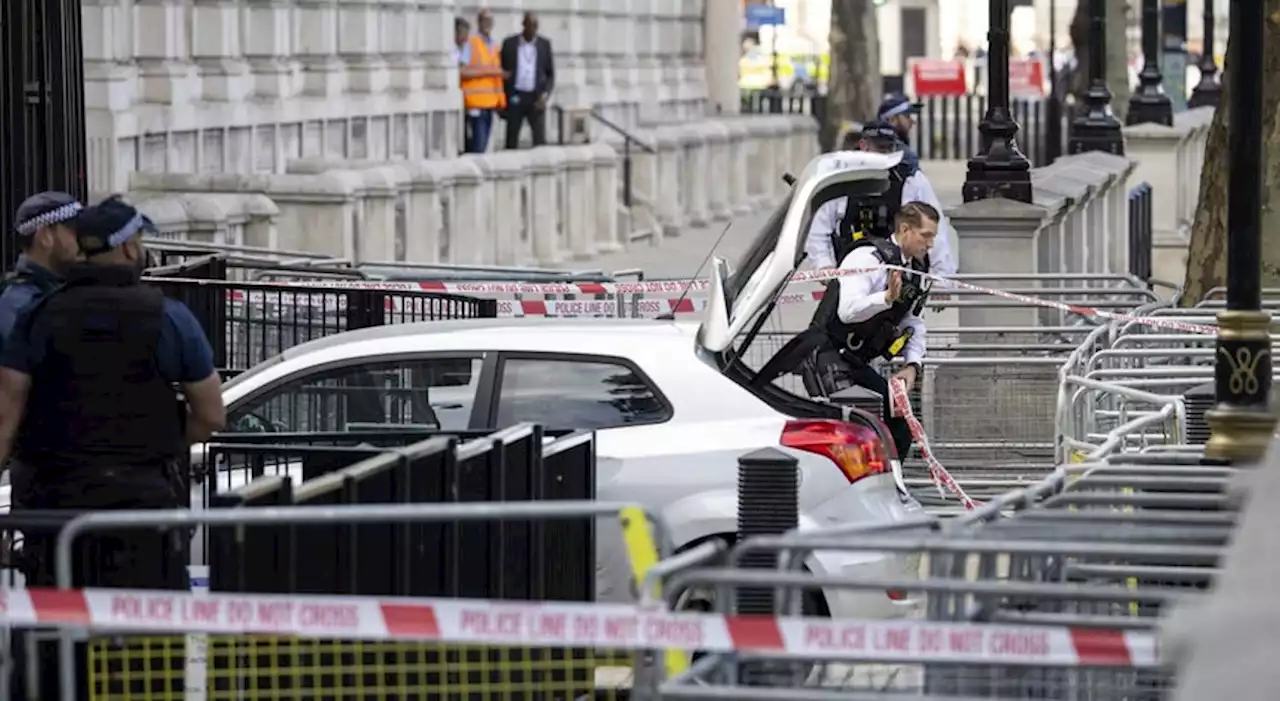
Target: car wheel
pixel 703 600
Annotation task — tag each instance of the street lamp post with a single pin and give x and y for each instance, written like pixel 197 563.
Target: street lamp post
pixel 1241 422
pixel 999 169
pixel 1149 102
pixel 1208 92
pixel 1097 129
pixel 1053 106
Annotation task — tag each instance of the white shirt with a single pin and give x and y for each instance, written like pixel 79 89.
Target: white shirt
pixel 917 188
pixel 526 65
pixel 862 297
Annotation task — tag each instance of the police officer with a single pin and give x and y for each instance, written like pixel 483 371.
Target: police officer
pixel 900 113
pixel 877 314
pixel 48 246
pixel 835 224
pixel 88 399
pixel 869 317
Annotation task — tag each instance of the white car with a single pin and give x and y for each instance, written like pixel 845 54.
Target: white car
pixel 672 410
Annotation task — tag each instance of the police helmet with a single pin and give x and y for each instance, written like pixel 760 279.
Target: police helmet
pixel 45 209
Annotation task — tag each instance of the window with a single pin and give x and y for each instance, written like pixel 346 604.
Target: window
pixel 427 393
pixel 576 394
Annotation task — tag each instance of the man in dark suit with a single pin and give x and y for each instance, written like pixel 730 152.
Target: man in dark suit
pixel 530 78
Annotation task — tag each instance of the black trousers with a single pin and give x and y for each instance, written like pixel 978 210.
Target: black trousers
pixel 521 108
pixel 136 559
pixel 835 374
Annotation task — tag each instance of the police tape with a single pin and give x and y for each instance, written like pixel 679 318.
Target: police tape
pixel 942 478
pixel 572 625
pixel 619 306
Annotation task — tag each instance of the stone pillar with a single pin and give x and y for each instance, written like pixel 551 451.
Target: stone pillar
pixel 467 244
pixel 267 43
pixel 402 45
pixel 998 236
pixel 260 226
pixel 579 205
pixel 360 45
pixel 426 213
pixel 378 236
pixel 694 174
pixel 546 164
pixel 506 168
pixel 760 163
pixel 718 170
pixel 1114 257
pixel 318 213
pixel 216 48
pixel 163 55
pixel 316 27
pixel 109 90
pixel 739 200
pixel 721 31
pixel 605 163
pixel 667 199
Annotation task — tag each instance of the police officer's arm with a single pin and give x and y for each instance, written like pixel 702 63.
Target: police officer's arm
pixel 862 296
pixel 185 357
pixel 942 260
pixel 817 246
pixel 17 358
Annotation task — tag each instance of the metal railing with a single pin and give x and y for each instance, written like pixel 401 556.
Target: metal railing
pixel 249 322
pixel 946 127
pixel 1141 235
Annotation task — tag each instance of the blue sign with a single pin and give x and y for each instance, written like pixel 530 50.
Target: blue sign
pixel 761 15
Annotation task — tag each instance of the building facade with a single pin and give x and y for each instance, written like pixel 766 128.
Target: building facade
pixel 241 86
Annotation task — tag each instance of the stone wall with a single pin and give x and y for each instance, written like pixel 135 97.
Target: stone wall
pixel 246 86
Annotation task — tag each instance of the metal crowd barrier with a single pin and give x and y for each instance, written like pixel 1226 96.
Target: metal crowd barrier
pixel 1051 591
pixel 988 399
pixel 335 515
pixel 1137 387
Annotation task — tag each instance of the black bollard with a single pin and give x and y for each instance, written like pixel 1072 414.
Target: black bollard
pixel 768 504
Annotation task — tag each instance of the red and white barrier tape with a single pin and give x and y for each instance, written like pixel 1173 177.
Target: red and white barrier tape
pixel 654 307
pixel 558 624
pixel 941 477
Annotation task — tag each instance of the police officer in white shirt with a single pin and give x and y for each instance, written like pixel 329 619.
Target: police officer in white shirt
pixel 907 184
pixel 877 313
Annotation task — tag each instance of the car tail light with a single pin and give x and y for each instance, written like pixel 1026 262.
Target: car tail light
pixel 857 450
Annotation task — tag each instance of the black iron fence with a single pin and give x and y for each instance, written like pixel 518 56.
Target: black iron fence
pixel 946 127
pixel 385 553
pixel 1141 235
pixel 42 141
pixel 249 322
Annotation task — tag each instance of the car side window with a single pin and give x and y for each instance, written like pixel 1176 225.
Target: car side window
pixel 576 394
pixel 428 393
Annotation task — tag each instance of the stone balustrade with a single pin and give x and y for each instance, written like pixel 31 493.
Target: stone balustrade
pixel 1078 221
pixel 1171 159
pixel 247 86
pixel 546 206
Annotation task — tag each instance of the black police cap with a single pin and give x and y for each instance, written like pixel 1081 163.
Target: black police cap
pixel 108 224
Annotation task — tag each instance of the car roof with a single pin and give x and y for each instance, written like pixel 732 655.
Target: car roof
pixel 503 334
pixel 630 338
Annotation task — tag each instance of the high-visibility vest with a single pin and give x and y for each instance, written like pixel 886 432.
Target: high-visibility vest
pixel 483 93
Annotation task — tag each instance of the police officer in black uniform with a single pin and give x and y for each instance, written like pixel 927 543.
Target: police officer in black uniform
pixel 869 317
pixel 88 399
pixel 49 249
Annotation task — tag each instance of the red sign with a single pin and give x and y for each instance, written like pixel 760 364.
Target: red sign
pixel 1026 77
pixel 932 78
